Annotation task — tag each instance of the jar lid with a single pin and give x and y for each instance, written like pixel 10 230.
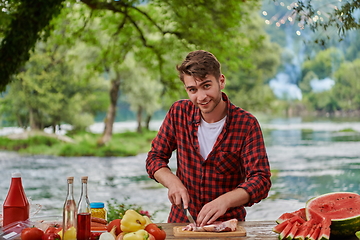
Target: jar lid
pixel 97 205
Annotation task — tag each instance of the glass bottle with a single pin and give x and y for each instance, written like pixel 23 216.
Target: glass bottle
pixel 69 212
pixel 84 213
pixel 16 206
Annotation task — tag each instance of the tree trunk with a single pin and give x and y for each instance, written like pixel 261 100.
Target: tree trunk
pixel 110 116
pixel 147 121
pixel 139 119
pixel 34 123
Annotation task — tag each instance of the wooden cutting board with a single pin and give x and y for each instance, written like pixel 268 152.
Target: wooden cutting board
pixel 178 232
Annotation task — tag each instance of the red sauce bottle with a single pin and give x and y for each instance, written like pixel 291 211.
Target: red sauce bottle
pixel 16 206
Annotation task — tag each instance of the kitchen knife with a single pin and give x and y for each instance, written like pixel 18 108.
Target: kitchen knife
pixel 191 219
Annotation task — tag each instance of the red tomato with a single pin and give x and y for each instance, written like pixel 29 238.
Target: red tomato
pixel 117 223
pixel 151 237
pixel 32 233
pixel 53 229
pixel 51 236
pixel 156 231
pixel 95 235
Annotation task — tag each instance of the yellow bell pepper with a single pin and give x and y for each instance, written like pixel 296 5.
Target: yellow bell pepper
pixel 137 235
pixel 148 220
pixel 132 221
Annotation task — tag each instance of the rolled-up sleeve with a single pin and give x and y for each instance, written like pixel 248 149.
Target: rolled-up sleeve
pixel 162 147
pixel 256 166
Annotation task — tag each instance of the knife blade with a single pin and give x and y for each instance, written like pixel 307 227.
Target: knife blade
pixel 188 215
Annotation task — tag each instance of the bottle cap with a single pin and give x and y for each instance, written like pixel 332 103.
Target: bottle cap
pixel 70 179
pixel 84 179
pixel 96 205
pixel 16 175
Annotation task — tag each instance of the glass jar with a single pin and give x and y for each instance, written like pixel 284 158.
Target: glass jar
pixel 98 210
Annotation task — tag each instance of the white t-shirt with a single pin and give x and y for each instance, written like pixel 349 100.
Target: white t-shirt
pixel 207 135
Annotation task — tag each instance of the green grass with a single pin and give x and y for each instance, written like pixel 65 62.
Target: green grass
pixel 121 144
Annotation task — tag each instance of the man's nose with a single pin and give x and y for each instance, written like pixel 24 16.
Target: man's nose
pixel 201 95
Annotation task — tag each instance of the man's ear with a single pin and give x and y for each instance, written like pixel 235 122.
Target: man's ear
pixel 222 81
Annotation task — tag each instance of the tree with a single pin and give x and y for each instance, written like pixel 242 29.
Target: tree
pixel 53 89
pixel 324 64
pixel 341 15
pixel 263 60
pixel 347 77
pixel 25 22
pixel 156 32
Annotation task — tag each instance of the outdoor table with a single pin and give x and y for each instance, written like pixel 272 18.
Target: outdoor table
pixel 254 230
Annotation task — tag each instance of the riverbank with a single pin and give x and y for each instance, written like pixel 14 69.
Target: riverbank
pixel 77 144
pixel 127 142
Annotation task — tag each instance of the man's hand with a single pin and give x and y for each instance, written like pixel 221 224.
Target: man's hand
pixel 216 208
pixel 177 193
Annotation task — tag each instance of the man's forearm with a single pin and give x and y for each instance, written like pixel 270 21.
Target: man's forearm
pixel 235 198
pixel 166 177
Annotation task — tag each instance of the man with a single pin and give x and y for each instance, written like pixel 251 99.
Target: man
pixel 222 164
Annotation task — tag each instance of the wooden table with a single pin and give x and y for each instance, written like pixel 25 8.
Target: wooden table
pixel 254 230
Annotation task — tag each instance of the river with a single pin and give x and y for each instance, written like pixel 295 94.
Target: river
pixel 307 159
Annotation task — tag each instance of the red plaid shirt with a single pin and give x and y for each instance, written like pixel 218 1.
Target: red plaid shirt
pixel 237 160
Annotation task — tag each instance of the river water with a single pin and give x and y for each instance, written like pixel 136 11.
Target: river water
pixel 307 159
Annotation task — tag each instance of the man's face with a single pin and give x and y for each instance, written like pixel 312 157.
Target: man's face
pixel 205 94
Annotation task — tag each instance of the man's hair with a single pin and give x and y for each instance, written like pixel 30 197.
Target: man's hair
pixel 199 64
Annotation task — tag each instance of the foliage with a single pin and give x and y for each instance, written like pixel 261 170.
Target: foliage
pixel 341 16
pixel 28 19
pixel 116 210
pixel 41 142
pixel 53 89
pixel 246 86
pixel 324 64
pixel 347 77
pixel 122 144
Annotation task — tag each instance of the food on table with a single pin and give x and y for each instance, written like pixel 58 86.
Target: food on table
pixel 338 210
pixel 54 228
pixel 138 235
pixel 108 235
pixel 51 236
pixel 70 234
pixel 95 235
pixel 156 231
pixel 31 233
pixel 99 224
pixel 98 220
pixel 98 210
pixel 227 226
pixel 132 221
pixel 117 224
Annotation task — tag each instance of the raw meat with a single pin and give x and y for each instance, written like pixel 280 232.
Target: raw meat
pixel 227 226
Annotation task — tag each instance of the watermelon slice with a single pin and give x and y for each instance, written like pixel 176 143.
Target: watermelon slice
pixel 325 230
pixel 284 233
pixel 293 231
pixel 280 227
pixel 304 230
pixel 315 234
pixel 311 231
pixel 285 216
pixel 341 207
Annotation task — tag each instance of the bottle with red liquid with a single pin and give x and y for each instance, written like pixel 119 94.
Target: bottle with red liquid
pixel 84 213
pixel 16 206
pixel 69 212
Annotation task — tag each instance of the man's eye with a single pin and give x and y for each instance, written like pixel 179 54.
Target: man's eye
pixel 206 86
pixel 192 90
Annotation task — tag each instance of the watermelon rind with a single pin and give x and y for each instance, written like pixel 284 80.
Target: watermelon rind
pixel 339 226
pixel 357 234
